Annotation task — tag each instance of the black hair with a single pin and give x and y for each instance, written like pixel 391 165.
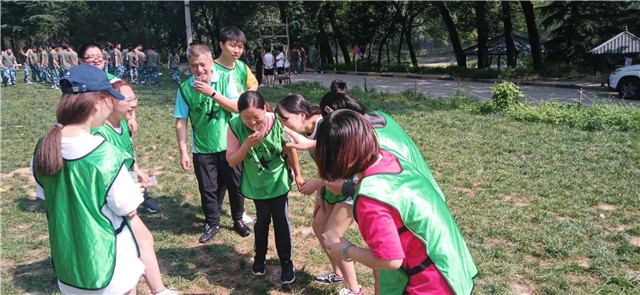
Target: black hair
pixel 338 85
pixel 250 99
pixel 82 49
pixel 336 100
pixel 232 33
pixel 296 104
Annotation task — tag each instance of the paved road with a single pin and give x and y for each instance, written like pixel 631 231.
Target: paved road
pixel 445 88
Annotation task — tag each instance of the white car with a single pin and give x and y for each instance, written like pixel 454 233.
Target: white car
pixel 626 81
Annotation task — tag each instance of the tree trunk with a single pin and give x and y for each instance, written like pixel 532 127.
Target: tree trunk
pixel 534 37
pixel 508 35
pixel 461 59
pixel 412 53
pixel 400 44
pixel 325 47
pixel 482 23
pixel 338 35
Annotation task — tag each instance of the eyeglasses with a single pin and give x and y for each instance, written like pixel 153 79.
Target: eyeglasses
pixel 130 99
pixel 94 57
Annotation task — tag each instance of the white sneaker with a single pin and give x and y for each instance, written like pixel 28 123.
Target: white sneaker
pixel 246 219
pixel 346 291
pixel 167 292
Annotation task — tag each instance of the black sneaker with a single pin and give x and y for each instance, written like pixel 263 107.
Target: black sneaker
pixel 241 229
pixel 258 267
pixel 288 275
pixel 209 234
pixel 150 205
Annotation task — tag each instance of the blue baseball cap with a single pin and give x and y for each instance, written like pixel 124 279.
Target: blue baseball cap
pixel 87 78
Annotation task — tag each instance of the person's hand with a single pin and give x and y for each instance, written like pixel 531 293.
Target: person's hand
pixel 301 142
pixel 254 139
pixel 335 186
pixel 299 181
pixel 143 179
pixel 334 249
pixel 203 88
pixel 185 162
pixel 310 186
pixel 133 126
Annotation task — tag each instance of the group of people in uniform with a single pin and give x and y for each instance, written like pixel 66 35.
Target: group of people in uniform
pixel 369 172
pixel 40 63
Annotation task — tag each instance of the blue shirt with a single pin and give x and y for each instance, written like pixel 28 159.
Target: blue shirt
pixel 181 110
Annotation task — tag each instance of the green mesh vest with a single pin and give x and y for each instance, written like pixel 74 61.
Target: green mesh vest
pixel 238 74
pixel 208 119
pixel 427 217
pixel 264 172
pixel 121 141
pixel 82 239
pixel 391 137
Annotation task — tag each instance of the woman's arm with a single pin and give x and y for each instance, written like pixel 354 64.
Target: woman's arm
pixel 295 165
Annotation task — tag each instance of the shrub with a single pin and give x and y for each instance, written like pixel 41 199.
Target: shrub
pixel 505 95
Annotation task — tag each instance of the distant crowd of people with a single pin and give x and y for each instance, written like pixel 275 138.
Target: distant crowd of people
pixel 47 64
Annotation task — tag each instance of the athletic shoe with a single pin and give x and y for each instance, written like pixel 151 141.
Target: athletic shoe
pixel 328 278
pixel 150 205
pixel 346 291
pixel 246 219
pixel 259 267
pixel 288 275
pixel 241 228
pixel 209 234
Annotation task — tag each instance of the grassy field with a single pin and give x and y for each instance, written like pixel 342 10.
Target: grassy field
pixel 545 209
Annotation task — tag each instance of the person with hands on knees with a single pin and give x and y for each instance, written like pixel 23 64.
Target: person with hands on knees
pixel 256 140
pixel 412 237
pixel 331 211
pixel 90 197
pixel 209 100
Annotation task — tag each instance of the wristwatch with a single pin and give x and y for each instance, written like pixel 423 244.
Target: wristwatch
pixel 213 94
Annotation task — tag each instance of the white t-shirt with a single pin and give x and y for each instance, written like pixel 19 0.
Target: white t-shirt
pixel 280 60
pixel 122 198
pixel 268 61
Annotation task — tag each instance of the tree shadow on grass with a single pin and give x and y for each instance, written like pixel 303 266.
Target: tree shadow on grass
pixel 29 204
pixel 35 277
pixel 223 266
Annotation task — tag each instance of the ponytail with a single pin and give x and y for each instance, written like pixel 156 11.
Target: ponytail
pixel 48 156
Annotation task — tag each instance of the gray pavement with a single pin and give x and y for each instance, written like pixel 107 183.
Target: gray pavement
pixel 439 87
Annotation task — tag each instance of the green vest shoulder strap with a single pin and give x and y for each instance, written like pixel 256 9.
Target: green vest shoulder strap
pixel 433 224
pixel 208 119
pixel 82 239
pixel 392 138
pixel 264 173
pixel 120 140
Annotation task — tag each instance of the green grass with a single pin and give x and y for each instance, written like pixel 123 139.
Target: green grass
pixel 545 208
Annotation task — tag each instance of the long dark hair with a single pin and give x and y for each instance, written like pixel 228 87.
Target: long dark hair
pixel 337 100
pixel 295 103
pixel 72 109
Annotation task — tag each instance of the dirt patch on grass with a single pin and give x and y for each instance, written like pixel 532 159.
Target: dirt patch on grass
pixel 634 241
pixel 447 164
pixel 607 207
pixel 493 242
pixel 518 287
pixel 470 193
pixel 11 174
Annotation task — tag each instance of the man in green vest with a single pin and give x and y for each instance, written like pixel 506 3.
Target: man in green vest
pixel 209 100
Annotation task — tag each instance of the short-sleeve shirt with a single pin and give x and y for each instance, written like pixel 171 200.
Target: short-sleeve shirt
pixel 44 58
pixel 53 56
pixel 181 110
pixel 174 61
pixel 33 56
pixel 379 224
pixel 268 61
pixel 8 60
pixel 152 59
pixel 65 58
pixel 280 60
pixel 117 56
pixel 141 59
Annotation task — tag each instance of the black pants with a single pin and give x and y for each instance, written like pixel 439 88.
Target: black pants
pixel 214 178
pixel 278 210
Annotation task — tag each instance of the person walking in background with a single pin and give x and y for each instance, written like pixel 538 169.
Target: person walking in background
pixel 44 65
pixel 295 60
pixel 54 66
pixel 65 59
pixel 9 64
pixel 142 65
pixel 26 64
pixel 118 62
pixel 34 62
pixel 133 65
pixel 303 60
pixel 173 64
pixel 269 63
pixel 257 56
pixel 153 66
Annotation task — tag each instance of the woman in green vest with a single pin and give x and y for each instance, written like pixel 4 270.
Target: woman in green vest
pixel 115 130
pixel 89 195
pixel 411 236
pixel 331 211
pixel 255 138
